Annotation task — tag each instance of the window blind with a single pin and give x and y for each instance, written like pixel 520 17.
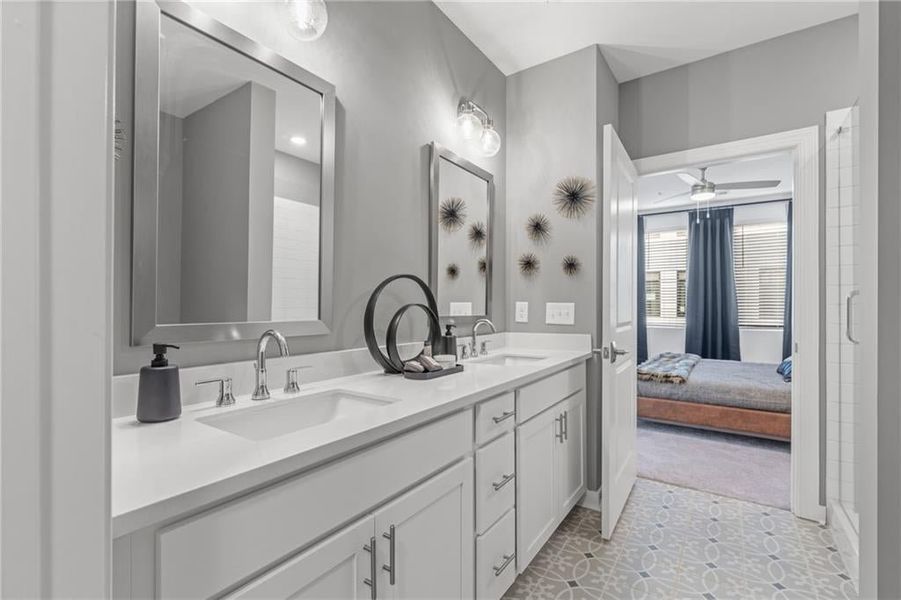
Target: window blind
pixel 759 256
pixel 666 255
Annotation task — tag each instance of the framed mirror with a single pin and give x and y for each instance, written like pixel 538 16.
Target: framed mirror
pixel 233 215
pixel 461 201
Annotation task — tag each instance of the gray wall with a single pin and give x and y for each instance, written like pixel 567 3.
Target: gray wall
pixel 777 85
pixel 296 179
pixel 879 470
pixel 552 135
pixel 399 69
pixel 260 192
pixel 780 84
pixel 168 289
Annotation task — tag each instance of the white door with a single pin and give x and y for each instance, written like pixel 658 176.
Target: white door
pixel 537 496
pixel 618 377
pixel 339 568
pixel 431 531
pixel 571 462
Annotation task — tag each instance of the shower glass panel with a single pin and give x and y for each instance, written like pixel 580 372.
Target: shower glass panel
pixel 842 222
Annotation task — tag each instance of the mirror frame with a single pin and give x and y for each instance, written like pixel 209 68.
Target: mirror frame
pixel 144 328
pixel 437 152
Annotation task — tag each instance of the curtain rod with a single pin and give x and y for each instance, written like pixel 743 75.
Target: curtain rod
pixel 688 210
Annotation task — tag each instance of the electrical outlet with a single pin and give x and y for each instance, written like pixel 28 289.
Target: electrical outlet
pixel 522 312
pixel 560 313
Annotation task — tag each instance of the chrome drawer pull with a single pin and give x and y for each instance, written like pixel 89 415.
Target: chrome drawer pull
pixel 390 566
pixel 565 424
pixel 559 433
pixel 373 567
pixel 503 416
pixel 504 481
pixel 508 558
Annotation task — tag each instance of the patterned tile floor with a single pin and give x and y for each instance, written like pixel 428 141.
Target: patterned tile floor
pixel 677 543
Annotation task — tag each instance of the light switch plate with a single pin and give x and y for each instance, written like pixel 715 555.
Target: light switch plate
pixel 560 313
pixel 522 312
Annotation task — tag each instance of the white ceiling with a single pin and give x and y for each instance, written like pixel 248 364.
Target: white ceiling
pixel 196 70
pixel 653 190
pixel 637 38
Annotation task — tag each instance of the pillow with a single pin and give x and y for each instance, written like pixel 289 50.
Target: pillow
pixel 785 369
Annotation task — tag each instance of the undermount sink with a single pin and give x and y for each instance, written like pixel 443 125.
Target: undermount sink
pixel 509 360
pixel 269 421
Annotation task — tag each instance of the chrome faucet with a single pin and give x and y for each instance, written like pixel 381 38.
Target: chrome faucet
pixel 261 389
pixel 475 328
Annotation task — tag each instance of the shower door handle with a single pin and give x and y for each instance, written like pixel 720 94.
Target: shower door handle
pixel 848 314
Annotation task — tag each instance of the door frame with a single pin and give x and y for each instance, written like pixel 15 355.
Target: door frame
pixel 807 272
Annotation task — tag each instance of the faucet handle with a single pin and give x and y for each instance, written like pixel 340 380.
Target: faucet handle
pixel 292 385
pixel 465 353
pixel 484 350
pixel 226 398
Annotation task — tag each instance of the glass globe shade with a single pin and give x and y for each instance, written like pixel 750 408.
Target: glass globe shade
pixel 470 125
pixel 307 19
pixel 491 141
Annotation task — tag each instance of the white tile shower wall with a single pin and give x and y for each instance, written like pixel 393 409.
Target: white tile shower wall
pixel 842 218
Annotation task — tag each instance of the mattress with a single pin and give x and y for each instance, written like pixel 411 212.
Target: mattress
pixel 755 386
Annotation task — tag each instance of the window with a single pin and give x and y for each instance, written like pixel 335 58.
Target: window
pixel 666 254
pixel 759 260
pixel 759 255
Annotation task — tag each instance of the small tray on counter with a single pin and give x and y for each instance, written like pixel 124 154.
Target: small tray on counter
pixel 433 374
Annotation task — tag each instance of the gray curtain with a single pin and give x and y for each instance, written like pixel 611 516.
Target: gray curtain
pixel 641 317
pixel 711 311
pixel 787 319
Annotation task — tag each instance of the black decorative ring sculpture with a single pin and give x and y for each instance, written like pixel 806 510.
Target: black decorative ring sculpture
pixel 391 337
pixel 387 362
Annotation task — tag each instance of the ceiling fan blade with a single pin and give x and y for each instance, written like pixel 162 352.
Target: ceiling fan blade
pixel 748 185
pixel 673 197
pixel 689 178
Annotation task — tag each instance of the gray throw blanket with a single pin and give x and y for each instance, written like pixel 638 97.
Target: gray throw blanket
pixel 668 367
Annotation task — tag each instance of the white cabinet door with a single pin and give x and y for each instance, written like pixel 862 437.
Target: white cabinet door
pixel 537 496
pixel 338 567
pixel 431 529
pixel 571 455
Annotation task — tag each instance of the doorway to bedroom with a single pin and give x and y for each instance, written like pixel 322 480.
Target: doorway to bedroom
pixel 715 341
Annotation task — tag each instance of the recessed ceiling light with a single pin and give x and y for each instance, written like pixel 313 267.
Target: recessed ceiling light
pixel 298 140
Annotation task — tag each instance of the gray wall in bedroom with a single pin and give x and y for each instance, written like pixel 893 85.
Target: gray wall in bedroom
pixel 780 84
pixel 399 69
pixel 555 115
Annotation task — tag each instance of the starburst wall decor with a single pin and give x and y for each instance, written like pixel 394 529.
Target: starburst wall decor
pixel 478 233
pixel 529 264
pixel 574 197
pixel 571 265
pixel 452 214
pixel 538 228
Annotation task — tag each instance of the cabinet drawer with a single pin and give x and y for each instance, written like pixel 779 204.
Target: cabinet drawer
pixel 495 559
pixel 536 397
pixel 495 484
pixel 495 416
pixel 204 555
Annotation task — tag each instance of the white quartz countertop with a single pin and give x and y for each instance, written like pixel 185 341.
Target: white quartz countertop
pixel 163 470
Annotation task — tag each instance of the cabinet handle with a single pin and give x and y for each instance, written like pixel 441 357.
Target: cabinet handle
pixel 390 566
pixel 565 424
pixel 504 481
pixel 373 567
pixel 503 416
pixel 508 558
pixel 559 433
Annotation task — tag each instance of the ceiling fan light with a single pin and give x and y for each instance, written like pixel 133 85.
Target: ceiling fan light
pixel 703 195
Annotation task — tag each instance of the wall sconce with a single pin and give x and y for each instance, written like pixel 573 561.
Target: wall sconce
pixel 307 19
pixel 475 124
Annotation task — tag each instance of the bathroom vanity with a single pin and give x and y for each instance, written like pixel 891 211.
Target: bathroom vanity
pixel 367 486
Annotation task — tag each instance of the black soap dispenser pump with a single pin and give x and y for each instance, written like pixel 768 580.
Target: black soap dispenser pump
pixel 159 394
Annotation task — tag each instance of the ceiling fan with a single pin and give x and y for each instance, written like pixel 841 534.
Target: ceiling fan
pixel 704 190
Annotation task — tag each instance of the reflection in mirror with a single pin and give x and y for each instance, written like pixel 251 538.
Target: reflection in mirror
pixel 461 198
pixel 238 231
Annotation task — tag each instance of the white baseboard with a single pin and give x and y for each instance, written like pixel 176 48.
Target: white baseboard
pixel 591 500
pixel 846 540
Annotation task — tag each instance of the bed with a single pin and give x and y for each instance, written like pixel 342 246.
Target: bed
pixel 724 395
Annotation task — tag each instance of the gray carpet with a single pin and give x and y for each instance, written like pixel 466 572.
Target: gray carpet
pixel 729 465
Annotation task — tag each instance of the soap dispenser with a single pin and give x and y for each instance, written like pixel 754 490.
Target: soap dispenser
pixel 159 395
pixel 449 340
